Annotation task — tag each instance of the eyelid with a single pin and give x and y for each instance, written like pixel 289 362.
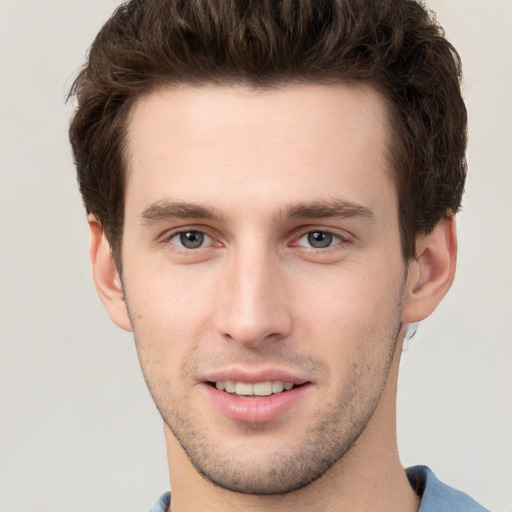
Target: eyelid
pixel 337 239
pixel 166 237
pixel 343 236
pixel 207 239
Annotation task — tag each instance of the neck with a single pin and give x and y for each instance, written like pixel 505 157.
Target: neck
pixel 369 476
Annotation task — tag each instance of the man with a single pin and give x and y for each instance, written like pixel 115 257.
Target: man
pixel 271 189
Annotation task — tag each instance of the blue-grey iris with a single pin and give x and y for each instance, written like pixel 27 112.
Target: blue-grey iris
pixel 319 239
pixel 192 239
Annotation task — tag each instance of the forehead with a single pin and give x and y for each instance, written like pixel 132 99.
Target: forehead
pixel 288 144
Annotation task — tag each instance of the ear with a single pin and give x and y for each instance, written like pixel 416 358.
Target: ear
pixel 431 274
pixel 106 278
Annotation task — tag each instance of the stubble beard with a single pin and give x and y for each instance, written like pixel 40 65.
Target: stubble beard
pixel 323 445
pixel 338 426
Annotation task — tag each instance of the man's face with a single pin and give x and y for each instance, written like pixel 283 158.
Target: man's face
pixel 261 250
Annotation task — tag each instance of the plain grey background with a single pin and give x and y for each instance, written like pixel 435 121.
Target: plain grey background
pixel 78 429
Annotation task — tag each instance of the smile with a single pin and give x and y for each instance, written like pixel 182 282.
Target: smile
pixel 266 388
pixel 259 401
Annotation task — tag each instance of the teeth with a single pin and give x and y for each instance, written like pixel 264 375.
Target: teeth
pixel 277 386
pixel 243 388
pixel 262 388
pixel 258 389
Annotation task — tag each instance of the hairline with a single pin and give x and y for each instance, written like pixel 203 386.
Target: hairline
pixel 393 142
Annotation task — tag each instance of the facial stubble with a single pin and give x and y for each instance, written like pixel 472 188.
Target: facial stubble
pixel 334 431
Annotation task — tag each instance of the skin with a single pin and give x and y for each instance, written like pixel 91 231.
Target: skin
pixel 256 172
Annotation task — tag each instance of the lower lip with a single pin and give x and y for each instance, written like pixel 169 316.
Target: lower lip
pixel 254 409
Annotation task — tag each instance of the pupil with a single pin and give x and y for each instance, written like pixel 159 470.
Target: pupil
pixel 192 239
pixel 319 239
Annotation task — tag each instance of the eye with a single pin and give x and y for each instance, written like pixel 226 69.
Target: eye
pixel 191 239
pixel 319 239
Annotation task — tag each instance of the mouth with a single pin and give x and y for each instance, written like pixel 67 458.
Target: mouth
pixel 255 399
pixel 256 389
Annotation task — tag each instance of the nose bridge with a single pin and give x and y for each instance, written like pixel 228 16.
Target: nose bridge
pixel 254 306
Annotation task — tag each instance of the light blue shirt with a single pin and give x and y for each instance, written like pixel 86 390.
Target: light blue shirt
pixel 438 497
pixel 435 496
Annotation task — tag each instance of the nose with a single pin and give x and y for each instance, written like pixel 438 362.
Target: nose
pixel 253 300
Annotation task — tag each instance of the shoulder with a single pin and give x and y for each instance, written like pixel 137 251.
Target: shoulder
pixel 435 496
pixel 439 497
pixel 162 504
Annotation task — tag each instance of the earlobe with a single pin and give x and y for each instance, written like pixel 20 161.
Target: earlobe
pixel 431 274
pixel 106 278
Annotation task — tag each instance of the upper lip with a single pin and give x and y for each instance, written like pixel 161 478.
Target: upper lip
pixel 253 376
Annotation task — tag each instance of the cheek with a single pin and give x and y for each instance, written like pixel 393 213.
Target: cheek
pixel 349 295
pixel 162 292
pixel 169 312
pixel 350 312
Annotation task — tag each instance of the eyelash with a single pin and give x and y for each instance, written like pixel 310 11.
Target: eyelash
pixel 170 236
pixel 333 239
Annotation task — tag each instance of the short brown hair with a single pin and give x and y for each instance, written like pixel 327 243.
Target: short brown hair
pixel 395 45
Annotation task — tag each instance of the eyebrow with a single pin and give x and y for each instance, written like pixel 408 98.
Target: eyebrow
pixel 328 209
pixel 167 210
